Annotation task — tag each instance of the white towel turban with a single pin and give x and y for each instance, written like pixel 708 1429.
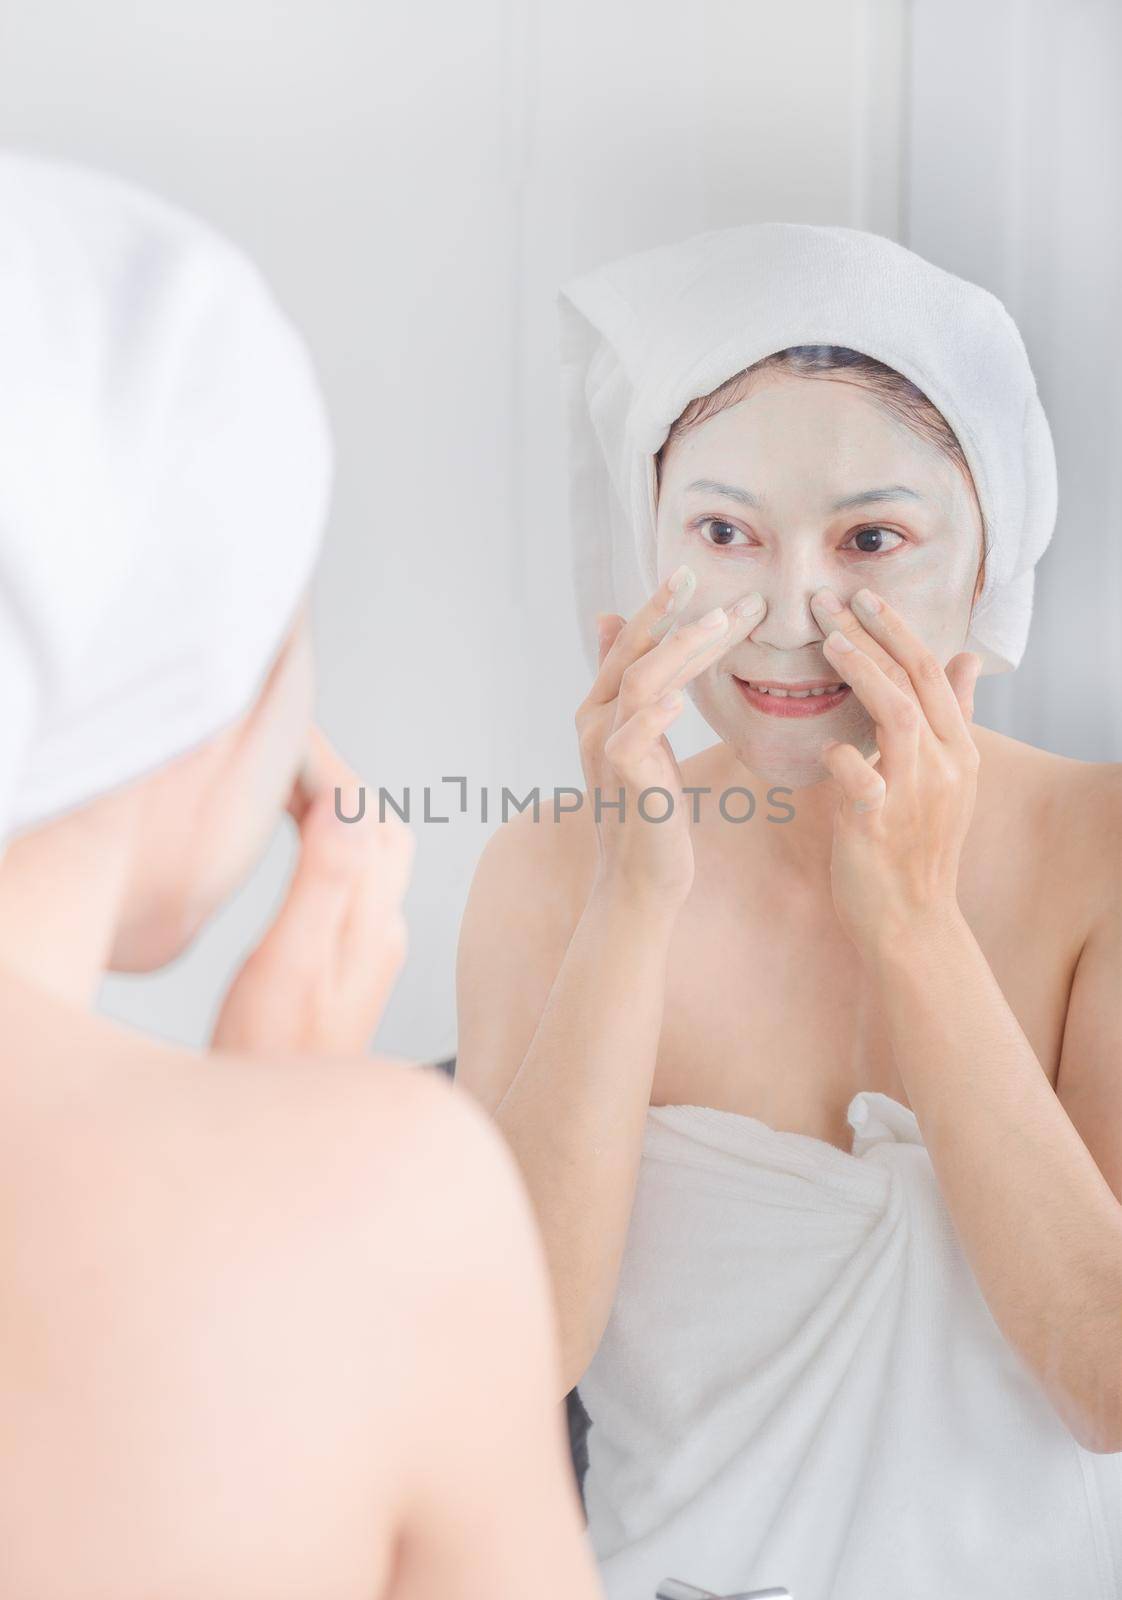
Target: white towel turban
pixel 643 336
pixel 165 469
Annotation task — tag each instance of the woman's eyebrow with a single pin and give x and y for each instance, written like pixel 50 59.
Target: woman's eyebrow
pixel 892 491
pixel 707 486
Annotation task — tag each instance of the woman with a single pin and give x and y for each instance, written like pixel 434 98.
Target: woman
pixel 257 1299
pixel 821 1111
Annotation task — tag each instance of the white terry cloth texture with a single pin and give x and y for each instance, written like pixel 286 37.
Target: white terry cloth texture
pixel 801 1384
pixel 165 471
pixel 643 336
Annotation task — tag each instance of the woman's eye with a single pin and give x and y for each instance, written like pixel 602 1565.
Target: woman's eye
pixel 723 533
pixel 871 541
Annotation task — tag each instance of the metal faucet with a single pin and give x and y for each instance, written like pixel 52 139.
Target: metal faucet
pixel 672 1589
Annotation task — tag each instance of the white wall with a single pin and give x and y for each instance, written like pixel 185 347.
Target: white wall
pixel 1015 180
pixel 416 181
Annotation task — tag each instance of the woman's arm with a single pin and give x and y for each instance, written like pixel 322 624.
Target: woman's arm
pixel 559 1029
pixel 572 1106
pixel 1037 1218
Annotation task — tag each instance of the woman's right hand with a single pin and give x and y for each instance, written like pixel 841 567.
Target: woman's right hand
pixel 622 725
pixel 321 976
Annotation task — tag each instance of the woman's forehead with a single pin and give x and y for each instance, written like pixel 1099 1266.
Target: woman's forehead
pixel 807 429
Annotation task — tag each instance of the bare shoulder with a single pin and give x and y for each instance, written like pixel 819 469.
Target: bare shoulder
pixel 468 1218
pixel 308 1171
pixel 391 1143
pixel 546 853
pixel 445 1160
pixel 1066 814
pixel 547 856
pixel 249 1248
pixel 1062 791
pixel 530 886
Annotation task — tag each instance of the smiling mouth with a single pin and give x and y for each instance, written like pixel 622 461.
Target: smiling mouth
pixel 808 697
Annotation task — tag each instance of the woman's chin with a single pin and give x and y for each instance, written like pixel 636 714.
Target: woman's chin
pixel 789 753
pixel 776 772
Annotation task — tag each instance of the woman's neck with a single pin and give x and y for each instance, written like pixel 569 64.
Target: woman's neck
pixel 802 841
pixel 62 888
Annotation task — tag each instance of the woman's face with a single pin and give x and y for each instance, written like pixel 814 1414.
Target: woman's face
pixel 209 814
pixel 808 483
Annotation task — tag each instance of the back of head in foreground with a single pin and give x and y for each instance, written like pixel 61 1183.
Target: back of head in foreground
pixel 239 1286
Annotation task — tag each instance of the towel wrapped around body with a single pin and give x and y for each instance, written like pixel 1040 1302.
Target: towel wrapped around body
pixel 801 1384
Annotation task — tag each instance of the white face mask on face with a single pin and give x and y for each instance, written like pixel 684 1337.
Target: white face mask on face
pixel 752 499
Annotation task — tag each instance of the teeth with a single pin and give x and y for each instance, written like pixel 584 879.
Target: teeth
pixel 797 694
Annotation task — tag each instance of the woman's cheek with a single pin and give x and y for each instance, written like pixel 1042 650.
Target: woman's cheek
pixel 935 605
pixel 718 582
pixel 714 585
pixel 707 595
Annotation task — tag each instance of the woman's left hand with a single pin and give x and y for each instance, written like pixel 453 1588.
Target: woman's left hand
pixel 900 825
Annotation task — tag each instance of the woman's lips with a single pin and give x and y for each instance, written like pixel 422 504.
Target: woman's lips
pixel 792 699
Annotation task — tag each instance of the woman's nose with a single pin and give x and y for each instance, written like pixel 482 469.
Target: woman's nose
pixel 789 623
